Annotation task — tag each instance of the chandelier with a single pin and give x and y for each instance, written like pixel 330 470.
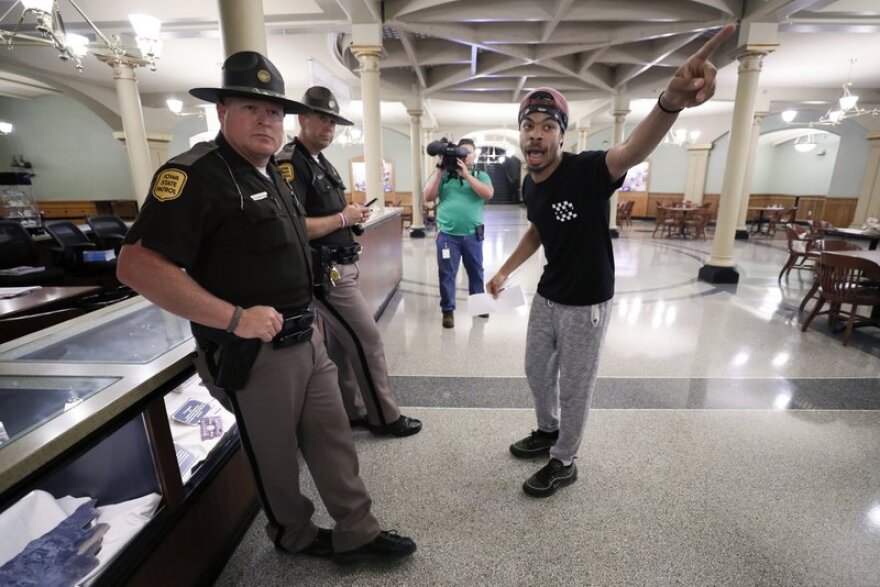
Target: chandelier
pixel 350 136
pixel 847 106
pixel 49 29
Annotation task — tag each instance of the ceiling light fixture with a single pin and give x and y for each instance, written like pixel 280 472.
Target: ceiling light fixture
pixel 5 128
pixel 805 143
pixel 680 137
pixel 847 106
pixel 50 30
pixel 350 136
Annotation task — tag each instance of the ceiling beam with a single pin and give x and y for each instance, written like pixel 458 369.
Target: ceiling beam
pixel 406 39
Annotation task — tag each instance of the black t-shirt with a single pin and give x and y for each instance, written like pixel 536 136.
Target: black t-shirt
pixel 570 210
pixel 318 186
pixel 239 234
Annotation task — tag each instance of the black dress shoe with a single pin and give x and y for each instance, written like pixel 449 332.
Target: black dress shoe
pixel 320 547
pixel 403 426
pixel 386 546
pixel 360 422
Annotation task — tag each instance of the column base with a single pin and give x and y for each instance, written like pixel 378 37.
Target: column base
pixel 614 233
pixel 416 232
pixel 741 235
pixel 714 274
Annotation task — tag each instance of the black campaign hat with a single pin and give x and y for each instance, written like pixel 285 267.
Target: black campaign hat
pixel 320 99
pixel 248 74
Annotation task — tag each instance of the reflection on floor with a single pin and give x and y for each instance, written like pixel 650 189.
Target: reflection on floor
pixel 726 447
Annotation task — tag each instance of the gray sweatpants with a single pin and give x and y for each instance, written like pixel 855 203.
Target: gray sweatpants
pixel 562 360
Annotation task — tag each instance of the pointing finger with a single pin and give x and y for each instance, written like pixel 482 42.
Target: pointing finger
pixel 712 44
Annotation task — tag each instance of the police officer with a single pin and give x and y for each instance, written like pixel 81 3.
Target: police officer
pixel 356 344
pixel 223 213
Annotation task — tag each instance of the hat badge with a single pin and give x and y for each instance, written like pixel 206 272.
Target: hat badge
pixel 331 104
pixel 264 76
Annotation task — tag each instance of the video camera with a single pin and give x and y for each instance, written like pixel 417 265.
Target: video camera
pixel 450 153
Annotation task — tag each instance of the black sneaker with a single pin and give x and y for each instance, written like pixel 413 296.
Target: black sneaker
pixel 536 444
pixel 551 477
pixel 403 426
pixel 385 546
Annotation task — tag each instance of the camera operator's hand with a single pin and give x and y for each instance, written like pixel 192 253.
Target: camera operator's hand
pixel 496 284
pixel 462 168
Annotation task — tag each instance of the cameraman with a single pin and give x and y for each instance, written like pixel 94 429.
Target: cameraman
pixel 462 193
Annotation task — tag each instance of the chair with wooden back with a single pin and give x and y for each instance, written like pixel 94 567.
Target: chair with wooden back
pixel 815 250
pixel 667 221
pixel 781 217
pixel 798 251
pixel 842 281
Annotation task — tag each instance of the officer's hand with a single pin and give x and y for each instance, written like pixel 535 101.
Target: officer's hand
pixel 365 213
pixel 262 322
pixel 353 214
pixel 496 284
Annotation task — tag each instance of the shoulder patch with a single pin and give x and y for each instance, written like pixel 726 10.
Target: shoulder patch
pixel 286 169
pixel 168 184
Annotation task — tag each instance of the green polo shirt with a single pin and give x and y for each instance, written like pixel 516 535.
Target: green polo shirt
pixel 460 209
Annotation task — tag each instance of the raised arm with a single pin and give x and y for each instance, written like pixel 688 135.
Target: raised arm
pixel 162 282
pixel 432 186
pixel 692 85
pixel 318 226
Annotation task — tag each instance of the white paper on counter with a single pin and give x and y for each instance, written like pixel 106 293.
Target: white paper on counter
pixel 508 299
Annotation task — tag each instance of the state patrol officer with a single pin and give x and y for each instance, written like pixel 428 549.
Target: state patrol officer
pixel 356 344
pixel 223 213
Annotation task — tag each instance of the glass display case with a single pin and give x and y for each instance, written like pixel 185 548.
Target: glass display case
pixel 17 200
pixel 91 411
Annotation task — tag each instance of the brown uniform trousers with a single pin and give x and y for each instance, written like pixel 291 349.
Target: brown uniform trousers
pixel 357 371
pixel 292 404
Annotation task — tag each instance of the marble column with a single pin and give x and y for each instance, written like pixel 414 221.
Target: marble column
pixel 720 268
pixel 583 132
pixel 618 136
pixel 742 229
pixel 368 57
pixel 417 228
pixel 698 164
pixel 869 195
pixel 133 126
pixel 242 26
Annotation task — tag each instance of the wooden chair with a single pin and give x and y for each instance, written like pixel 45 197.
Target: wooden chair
pixel 667 222
pixel 798 251
pixel 695 223
pixel 841 282
pixel 815 250
pixel 782 217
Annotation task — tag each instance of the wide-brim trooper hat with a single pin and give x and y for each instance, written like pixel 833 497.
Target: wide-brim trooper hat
pixel 248 74
pixel 320 99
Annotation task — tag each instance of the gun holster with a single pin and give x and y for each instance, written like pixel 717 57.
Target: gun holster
pixel 321 264
pixel 229 358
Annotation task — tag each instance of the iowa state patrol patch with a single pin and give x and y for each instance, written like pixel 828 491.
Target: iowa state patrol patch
pixel 168 185
pixel 286 170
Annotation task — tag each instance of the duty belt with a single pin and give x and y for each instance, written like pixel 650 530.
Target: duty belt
pixel 296 327
pixel 345 254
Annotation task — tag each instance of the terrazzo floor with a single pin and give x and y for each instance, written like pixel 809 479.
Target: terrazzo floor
pixel 725 446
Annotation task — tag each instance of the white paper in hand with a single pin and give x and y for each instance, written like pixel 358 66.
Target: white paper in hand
pixel 508 299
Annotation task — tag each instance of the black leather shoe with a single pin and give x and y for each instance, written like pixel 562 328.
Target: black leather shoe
pixel 386 546
pixel 359 423
pixel 320 547
pixel 403 426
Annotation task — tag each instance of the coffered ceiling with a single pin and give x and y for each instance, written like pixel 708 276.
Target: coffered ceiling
pixel 470 61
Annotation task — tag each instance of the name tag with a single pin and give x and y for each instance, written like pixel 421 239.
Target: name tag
pixel 259 196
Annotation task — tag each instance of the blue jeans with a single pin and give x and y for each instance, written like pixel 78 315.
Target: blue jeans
pixel 461 248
